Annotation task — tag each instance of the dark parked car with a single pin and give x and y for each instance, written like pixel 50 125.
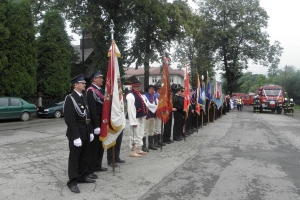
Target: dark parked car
pixel 54 109
pixel 15 108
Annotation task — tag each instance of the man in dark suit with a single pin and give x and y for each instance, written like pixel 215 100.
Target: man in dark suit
pixel 79 133
pixel 95 99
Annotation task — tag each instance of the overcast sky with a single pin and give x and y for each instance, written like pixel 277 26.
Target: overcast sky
pixel 283 25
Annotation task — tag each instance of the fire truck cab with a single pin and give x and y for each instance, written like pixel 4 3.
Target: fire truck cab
pixel 271 98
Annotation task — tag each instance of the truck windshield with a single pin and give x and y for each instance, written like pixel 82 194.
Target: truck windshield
pixel 270 92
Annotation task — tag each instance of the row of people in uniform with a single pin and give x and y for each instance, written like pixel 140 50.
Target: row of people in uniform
pixel 144 125
pixel 83 112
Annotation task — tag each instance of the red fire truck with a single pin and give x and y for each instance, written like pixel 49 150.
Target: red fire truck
pixel 271 98
pixel 246 98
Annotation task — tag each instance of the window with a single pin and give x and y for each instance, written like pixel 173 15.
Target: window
pixel 3 102
pixel 171 79
pixel 15 102
pixel 154 79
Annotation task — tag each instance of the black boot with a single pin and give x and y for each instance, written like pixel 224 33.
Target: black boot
pixel 155 141
pixel 151 146
pixel 144 147
pixel 159 142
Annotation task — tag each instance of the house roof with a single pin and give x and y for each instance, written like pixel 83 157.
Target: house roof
pixel 78 51
pixel 153 71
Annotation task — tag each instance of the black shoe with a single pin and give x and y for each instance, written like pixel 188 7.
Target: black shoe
pixel 87 180
pixel 171 141
pixel 177 139
pixel 74 189
pixel 162 144
pixel 152 147
pixel 110 164
pixel 120 161
pixel 167 142
pixel 101 169
pixel 92 176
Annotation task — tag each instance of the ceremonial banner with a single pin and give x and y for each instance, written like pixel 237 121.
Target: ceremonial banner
pixel 208 91
pixel 217 92
pixel 218 100
pixel 198 96
pixel 113 117
pixel 165 104
pixel 203 96
pixel 186 102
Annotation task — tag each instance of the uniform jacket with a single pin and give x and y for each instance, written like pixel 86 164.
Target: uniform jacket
pixel 77 126
pixel 95 104
pixel 178 104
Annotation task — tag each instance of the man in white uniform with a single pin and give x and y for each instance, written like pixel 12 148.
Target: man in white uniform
pixel 136 111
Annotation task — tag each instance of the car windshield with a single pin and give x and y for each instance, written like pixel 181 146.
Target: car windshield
pixel 270 92
pixel 59 101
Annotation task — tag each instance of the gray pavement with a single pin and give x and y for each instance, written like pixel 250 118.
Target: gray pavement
pixel 240 156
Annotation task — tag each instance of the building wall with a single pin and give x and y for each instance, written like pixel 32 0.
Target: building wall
pixel 176 79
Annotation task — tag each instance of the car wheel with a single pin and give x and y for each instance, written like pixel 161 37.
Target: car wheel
pixel 25 116
pixel 57 114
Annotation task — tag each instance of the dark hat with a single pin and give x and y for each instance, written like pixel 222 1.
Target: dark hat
pixel 149 86
pixel 136 83
pixel 177 90
pixel 95 74
pixel 78 79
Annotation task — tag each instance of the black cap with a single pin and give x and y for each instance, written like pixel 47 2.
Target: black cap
pixel 95 74
pixel 78 79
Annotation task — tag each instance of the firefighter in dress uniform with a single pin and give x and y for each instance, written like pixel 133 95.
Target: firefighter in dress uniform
pixel 178 115
pixel 95 99
pixel 79 133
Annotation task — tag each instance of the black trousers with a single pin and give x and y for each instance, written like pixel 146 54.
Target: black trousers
pixel 178 125
pixel 168 129
pixel 79 158
pixel 96 154
pixel 189 121
pixel 117 149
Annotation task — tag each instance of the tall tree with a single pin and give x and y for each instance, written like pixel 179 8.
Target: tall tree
pixel 54 56
pixel 4 34
pixel 19 75
pixel 236 29
pixel 156 23
pixel 93 18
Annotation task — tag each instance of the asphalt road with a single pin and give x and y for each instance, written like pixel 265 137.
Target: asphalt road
pixel 240 156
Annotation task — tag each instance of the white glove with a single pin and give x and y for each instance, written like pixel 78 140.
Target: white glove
pixel 91 137
pixel 97 131
pixel 77 142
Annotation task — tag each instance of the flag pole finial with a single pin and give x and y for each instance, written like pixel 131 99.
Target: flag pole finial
pixel 112 25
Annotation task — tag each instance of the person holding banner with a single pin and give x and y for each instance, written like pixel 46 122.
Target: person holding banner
pixel 95 99
pixel 118 141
